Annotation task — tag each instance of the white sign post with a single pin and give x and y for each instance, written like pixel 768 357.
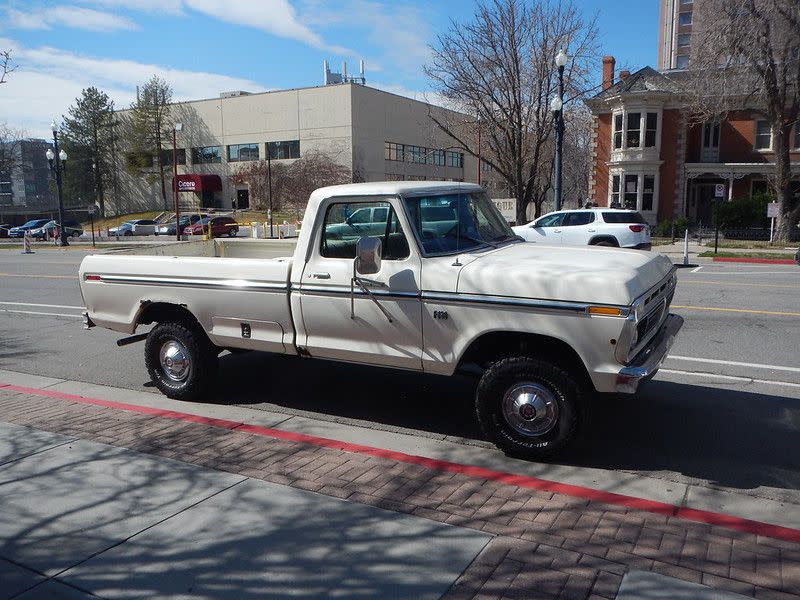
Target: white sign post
pixel 773 210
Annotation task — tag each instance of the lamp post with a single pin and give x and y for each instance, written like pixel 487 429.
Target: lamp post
pixel 175 129
pixel 57 160
pixel 557 106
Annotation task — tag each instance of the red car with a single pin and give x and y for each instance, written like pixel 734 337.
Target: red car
pixel 218 225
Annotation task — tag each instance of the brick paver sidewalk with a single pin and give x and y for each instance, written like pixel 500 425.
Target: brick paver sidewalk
pixel 545 546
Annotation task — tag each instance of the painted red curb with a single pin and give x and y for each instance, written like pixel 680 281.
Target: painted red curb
pixel 524 481
pixel 758 261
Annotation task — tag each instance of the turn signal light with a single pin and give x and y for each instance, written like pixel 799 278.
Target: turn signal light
pixel 636 228
pixel 607 311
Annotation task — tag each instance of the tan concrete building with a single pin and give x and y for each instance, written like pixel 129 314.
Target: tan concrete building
pixel 376 134
pixel 675 21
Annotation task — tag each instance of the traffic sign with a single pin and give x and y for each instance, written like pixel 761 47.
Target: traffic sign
pixel 773 210
pixel 92 209
pixel 719 190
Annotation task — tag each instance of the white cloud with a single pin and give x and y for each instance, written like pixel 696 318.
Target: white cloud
pixel 52 78
pixel 68 16
pixel 277 17
pixel 169 7
pixel 400 31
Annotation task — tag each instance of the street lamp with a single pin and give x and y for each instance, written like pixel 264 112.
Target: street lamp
pixel 175 129
pixel 57 159
pixel 557 106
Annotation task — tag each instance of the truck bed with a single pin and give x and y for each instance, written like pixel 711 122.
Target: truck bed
pixel 238 290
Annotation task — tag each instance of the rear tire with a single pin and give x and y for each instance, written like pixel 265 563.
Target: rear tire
pixel 529 407
pixel 181 360
pixel 609 244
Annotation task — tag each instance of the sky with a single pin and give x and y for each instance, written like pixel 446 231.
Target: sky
pixel 204 47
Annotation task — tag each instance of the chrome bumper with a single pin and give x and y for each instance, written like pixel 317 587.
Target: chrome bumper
pixel 647 362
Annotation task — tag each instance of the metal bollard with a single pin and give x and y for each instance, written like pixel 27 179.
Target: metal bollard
pixel 686 248
pixel 26 243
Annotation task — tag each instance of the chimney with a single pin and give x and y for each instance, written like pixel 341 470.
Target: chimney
pixel 608 72
pixel 623 75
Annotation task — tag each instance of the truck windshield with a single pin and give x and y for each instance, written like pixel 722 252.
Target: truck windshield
pixel 457 222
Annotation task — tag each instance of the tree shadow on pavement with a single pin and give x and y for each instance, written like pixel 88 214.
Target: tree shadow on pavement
pixel 123 524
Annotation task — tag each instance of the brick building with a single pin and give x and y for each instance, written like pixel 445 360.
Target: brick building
pixel 647 155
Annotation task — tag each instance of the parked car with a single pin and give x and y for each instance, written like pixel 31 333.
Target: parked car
pixel 590 226
pixel 18 232
pixel 4 227
pixel 186 220
pixel 134 227
pixel 48 230
pixel 217 226
pixel 540 327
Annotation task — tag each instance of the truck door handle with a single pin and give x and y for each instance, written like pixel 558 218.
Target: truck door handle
pixel 592 230
pixel 321 275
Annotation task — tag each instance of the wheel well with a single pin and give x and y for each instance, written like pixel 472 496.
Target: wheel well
pixel 490 347
pixel 604 238
pixel 163 312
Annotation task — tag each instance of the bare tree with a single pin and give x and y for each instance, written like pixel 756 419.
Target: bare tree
pixel 500 67
pixel 577 155
pixel 7 65
pixel 10 149
pixel 293 183
pixel 746 56
pixel 150 125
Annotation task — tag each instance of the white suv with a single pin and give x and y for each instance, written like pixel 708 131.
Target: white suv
pixel 590 226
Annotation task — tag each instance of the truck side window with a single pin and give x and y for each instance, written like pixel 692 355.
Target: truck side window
pixel 346 222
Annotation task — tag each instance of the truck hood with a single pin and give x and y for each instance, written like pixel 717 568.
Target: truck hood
pixel 592 274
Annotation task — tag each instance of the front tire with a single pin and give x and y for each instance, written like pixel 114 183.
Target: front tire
pixel 181 360
pixel 529 407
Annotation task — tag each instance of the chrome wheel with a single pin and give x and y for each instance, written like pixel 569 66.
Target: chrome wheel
pixel 530 409
pixel 175 361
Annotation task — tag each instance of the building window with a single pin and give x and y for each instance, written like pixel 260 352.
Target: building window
pixel 415 154
pixel 614 191
pixel 633 139
pixel 455 159
pixel 648 191
pixel 206 154
pixel 763 138
pixel 618 131
pixel 241 152
pixel 684 39
pixel 436 157
pixel 283 150
pixel 180 154
pixel 394 176
pixel 631 194
pixel 416 178
pixel 685 18
pixel 651 127
pixel 394 151
pixel 682 61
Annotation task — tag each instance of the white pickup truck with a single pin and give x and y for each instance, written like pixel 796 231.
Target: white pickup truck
pixel 442 285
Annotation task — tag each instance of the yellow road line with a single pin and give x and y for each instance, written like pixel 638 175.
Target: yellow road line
pixel 739 310
pixel 735 284
pixel 33 275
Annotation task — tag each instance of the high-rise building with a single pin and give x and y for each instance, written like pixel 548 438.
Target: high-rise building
pixel 675 33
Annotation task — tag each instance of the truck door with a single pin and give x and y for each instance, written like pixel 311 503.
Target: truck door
pixel 382 328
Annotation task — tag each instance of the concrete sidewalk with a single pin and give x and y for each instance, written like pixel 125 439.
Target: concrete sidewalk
pixel 132 503
pixel 81 518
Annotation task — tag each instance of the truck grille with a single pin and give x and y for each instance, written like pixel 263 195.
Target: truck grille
pixel 655 307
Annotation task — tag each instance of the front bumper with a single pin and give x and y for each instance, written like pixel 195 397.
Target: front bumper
pixel 647 362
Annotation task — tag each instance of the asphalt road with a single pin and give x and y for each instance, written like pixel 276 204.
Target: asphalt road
pixel 724 411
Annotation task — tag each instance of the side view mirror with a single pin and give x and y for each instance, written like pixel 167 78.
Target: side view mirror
pixel 368 255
